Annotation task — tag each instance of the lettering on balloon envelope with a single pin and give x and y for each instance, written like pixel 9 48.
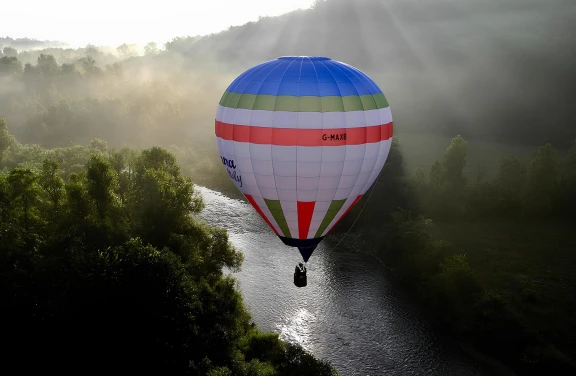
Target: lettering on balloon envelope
pixel 334 137
pixel 231 168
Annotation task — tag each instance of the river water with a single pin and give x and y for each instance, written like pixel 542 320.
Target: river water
pixel 352 313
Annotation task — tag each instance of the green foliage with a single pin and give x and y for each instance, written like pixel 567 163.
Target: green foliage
pixel 6 139
pixel 504 281
pixel 108 268
pixel 542 181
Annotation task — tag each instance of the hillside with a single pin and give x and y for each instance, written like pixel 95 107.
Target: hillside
pixel 29 44
pixel 483 69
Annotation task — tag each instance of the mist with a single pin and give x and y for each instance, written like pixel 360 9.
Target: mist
pixel 496 71
pixel 499 73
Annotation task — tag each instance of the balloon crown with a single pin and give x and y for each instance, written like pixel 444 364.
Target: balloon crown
pixel 304 57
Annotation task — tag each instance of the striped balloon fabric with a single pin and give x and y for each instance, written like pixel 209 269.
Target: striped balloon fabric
pixel 303 138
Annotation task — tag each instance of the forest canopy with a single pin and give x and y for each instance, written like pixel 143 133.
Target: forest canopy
pixel 105 266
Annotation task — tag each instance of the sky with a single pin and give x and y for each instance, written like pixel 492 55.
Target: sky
pixel 113 22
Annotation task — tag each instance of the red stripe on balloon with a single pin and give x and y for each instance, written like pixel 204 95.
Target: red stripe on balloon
pixel 305 212
pixel 255 205
pixel 303 137
pixel 346 212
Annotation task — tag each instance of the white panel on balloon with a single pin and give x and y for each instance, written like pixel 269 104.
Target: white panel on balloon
pixel 262 152
pixel 309 120
pixel 368 165
pixel 309 154
pixel 385 115
pixel 228 148
pixel 309 170
pixel 352 167
pixel 227 115
pixel 242 116
pixel 289 206
pixel 307 196
pixel 242 149
pixel 262 167
pixel 269 194
pixel 372 118
pixel 285 182
pixel 284 168
pixel 385 148
pixel 285 119
pixel 355 152
pixel 332 168
pixel 372 150
pixel 329 182
pixel 315 224
pixel 326 194
pixel 283 153
pixel 261 118
pixel 347 182
pixel 362 180
pixel 342 193
pixel 287 194
pixel 355 119
pixel 244 164
pixel 249 181
pixel 331 120
pixel 265 181
pixel 308 184
pixel 333 153
pixel 322 206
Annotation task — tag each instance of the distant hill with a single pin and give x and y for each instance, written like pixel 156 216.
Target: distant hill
pixel 498 69
pixel 29 44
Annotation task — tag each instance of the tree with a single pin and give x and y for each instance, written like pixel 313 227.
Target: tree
pixel 542 189
pixel 52 183
pixel 447 181
pixel 10 52
pixel 10 66
pixel 6 139
pixel 569 181
pixel 115 70
pixel 102 182
pixel 151 49
pixel 47 65
pixel 126 50
pixel 69 69
pixel 24 193
pixel 88 64
pixel 511 180
pixel 453 165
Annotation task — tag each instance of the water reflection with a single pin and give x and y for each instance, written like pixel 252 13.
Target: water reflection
pixel 351 313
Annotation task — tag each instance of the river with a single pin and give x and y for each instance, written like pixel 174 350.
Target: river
pixel 352 313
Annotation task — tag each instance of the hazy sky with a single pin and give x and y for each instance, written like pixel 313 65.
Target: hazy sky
pixel 112 22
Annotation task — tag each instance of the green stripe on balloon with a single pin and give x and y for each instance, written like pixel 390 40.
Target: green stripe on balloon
pixel 276 209
pixel 334 208
pixel 304 104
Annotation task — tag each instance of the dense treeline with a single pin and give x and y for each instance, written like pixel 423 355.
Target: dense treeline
pixel 104 266
pixel 28 43
pixel 54 104
pixel 492 257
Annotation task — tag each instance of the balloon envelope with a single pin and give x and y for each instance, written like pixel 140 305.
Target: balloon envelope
pixel 303 138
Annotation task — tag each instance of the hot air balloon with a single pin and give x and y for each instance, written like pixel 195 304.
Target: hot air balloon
pixel 303 138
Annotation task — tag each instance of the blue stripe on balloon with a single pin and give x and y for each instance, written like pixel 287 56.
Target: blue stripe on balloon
pixel 304 76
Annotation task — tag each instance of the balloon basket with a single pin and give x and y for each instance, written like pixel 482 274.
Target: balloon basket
pixel 300 280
